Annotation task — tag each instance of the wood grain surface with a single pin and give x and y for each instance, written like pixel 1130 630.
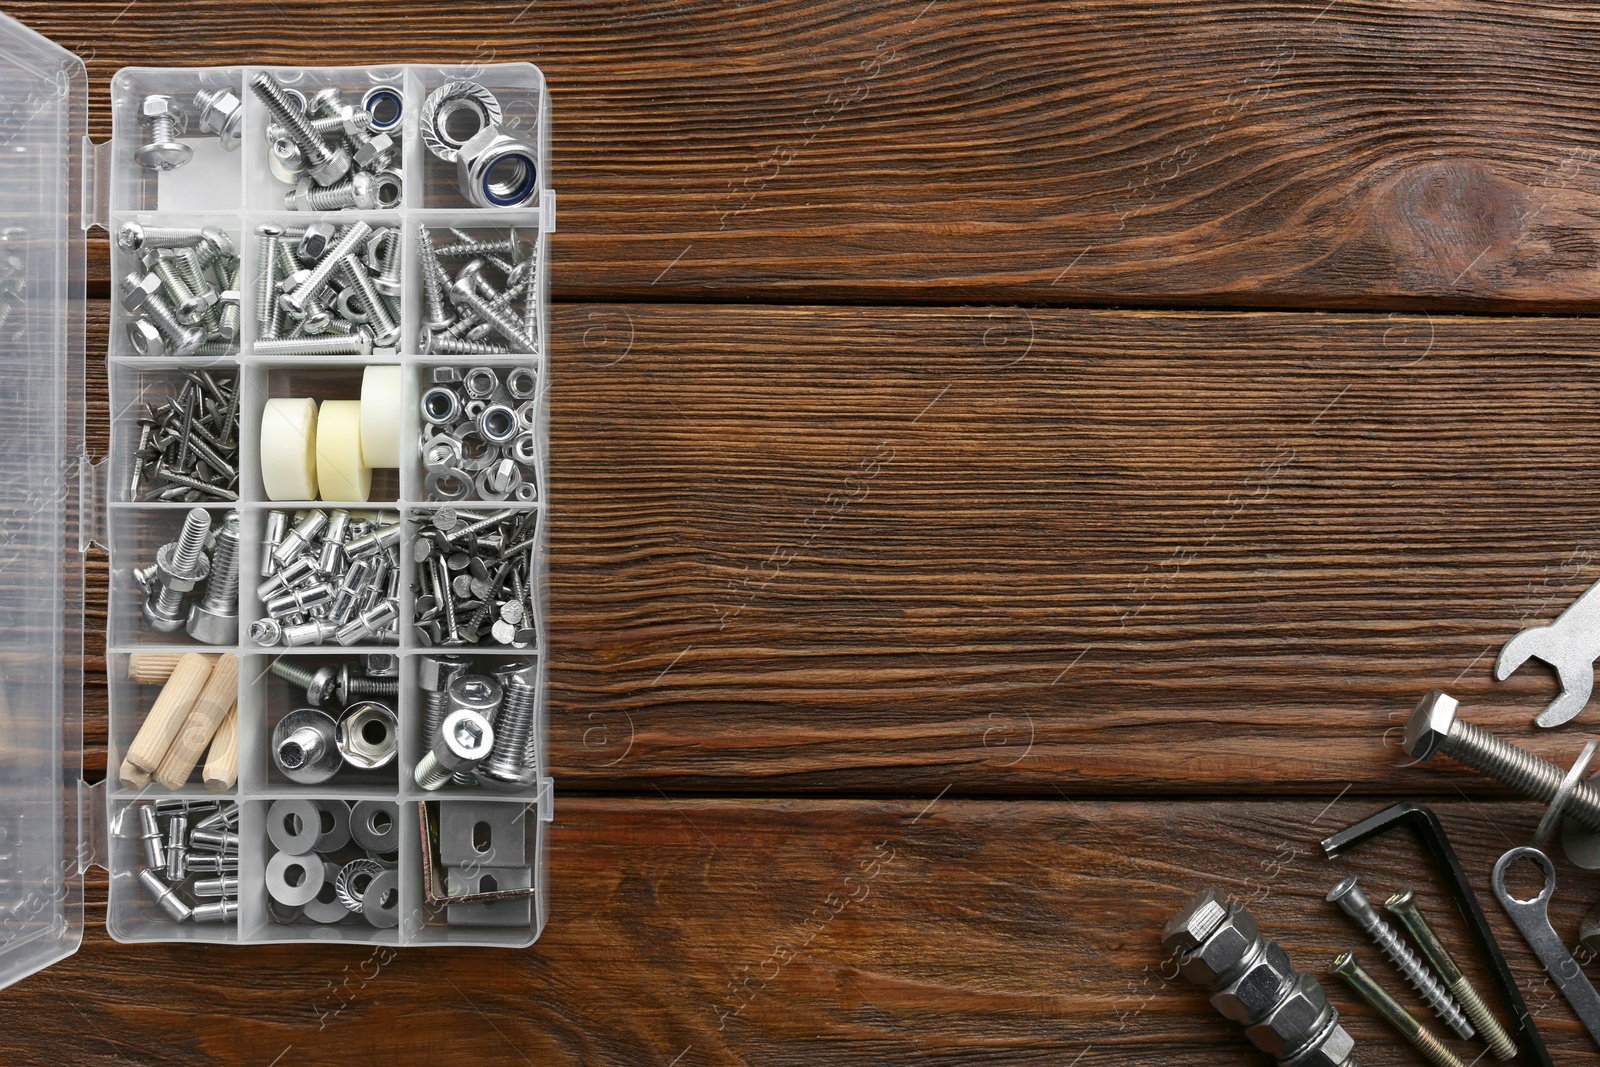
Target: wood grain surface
pixel 911 662
pixel 1301 154
pixel 695 932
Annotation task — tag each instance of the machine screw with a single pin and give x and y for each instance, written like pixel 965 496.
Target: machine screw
pixel 507 766
pixel 1435 728
pixel 141 295
pixel 1403 906
pixel 356 343
pixel 464 740
pixel 165 121
pixel 1411 1028
pixel 295 301
pixel 326 165
pixel 1349 897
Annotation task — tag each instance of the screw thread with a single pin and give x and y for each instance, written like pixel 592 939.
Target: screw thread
pixel 434 705
pixel 191 541
pixel 376 307
pixel 352 236
pixel 390 273
pixel 362 686
pixel 168 236
pixel 331 198
pixel 1349 897
pixel 325 344
pixel 456 346
pixel 1501 1047
pixel 433 282
pixel 160 312
pixel 186 261
pixel 513 728
pixel 475 248
pixel 508 326
pixel 1410 1027
pixel 178 288
pixel 298 127
pixel 429 773
pixel 222 590
pixel 164 128
pixel 293 673
pixel 1522 771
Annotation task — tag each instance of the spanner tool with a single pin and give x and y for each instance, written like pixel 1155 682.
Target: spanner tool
pixel 1570 645
pixel 1532 917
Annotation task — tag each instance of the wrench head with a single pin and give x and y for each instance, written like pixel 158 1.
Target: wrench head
pixel 1567 651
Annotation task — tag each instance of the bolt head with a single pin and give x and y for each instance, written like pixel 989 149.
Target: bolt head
pixel 465 740
pixel 1212 962
pixel 130 237
pixel 318 236
pixel 159 106
pixel 355 121
pixel 1294 1021
pixel 1194 922
pixel 221 113
pixel 212 627
pixel 1334 1048
pixel 163 155
pixel 323 687
pixel 220 240
pixel 146 339
pixel 364 188
pixel 1430 724
pixel 324 102
pixel 137 289
pixel 1252 993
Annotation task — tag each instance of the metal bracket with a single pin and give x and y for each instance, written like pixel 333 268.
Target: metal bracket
pixel 96 176
pixel 1421 818
pixel 434 893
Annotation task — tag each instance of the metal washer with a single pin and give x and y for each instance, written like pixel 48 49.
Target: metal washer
pixel 293 893
pixel 375 825
pixel 292 826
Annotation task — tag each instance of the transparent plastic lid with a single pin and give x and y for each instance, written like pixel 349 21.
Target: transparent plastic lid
pixel 43 114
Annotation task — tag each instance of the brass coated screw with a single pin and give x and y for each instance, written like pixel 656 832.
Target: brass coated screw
pixel 1403 906
pixel 1410 1027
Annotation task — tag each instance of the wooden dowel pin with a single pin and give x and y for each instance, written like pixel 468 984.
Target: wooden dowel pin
pixel 166 718
pixel 210 708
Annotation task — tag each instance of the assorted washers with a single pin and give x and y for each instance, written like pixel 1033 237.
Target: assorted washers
pixel 334 861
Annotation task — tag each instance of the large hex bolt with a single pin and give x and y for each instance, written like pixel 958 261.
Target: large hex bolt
pixel 181 567
pixel 434 675
pixel 1285 1013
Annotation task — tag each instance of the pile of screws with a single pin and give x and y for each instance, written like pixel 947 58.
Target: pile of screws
pixel 334 862
pixel 326 290
pixel 472 577
pixel 336 154
pixel 468 314
pixel 194 583
pixel 479 727
pixel 188 447
pixel 184 292
pixel 477 439
pixel 329 576
pixel 192 866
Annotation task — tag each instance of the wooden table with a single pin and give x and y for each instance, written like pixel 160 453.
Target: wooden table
pixel 1014 465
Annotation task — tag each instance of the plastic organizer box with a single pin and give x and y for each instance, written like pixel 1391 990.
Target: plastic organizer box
pixel 55 184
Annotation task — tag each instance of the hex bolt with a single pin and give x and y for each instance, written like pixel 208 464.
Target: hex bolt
pixel 354 235
pixel 215 618
pixel 326 165
pixel 140 298
pixel 385 331
pixel 1353 902
pixel 1435 727
pixel 1411 1028
pixel 1403 906
pixel 181 563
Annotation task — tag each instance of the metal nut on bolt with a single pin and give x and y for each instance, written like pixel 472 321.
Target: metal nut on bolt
pixel 495 169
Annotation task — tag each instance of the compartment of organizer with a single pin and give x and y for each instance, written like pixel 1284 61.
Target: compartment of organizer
pixel 483 133
pixel 164 564
pixel 485 854
pixel 324 720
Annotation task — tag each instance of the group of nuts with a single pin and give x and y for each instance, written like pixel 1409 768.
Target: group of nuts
pixel 466 314
pixel 184 294
pixel 188 446
pixel 479 725
pixel 329 576
pixel 193 585
pixel 333 861
pixel 165 120
pixel 477 438
pixel 336 154
pixel 462 123
pixel 350 723
pixel 326 290
pixel 472 577
pixel 199 861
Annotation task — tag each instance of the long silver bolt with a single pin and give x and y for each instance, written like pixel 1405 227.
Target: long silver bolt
pixel 1354 903
pixel 187 262
pixel 326 165
pixel 268 315
pixel 352 238
pixel 1435 728
pixel 385 331
pixel 358 343
pixel 1403 906
pixel 133 237
pixel 1411 1028
pixel 215 618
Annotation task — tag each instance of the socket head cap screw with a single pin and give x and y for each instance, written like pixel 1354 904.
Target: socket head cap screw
pixel 1430 724
pixel 465 740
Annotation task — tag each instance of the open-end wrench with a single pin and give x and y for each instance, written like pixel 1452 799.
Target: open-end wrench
pixel 1532 917
pixel 1570 645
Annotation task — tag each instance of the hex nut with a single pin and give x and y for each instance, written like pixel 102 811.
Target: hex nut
pixel 1214 960
pixel 221 113
pixel 443 104
pixel 315 241
pixel 137 289
pixel 496 169
pixel 479 383
pixel 180 583
pixel 146 339
pixel 1264 979
pixel 380 665
pixel 161 106
pixel 445 375
pixel 375 152
pixel 1294 1021
pixel 1429 726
